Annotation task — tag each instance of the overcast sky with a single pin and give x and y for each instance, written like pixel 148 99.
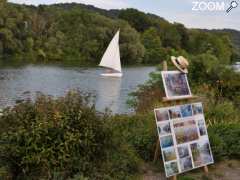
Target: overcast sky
pixel 172 10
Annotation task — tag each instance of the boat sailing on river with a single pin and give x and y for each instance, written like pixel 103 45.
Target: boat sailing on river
pixel 111 58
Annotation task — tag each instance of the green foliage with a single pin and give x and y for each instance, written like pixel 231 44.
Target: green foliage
pixel 49 135
pixel 225 140
pixel 61 138
pixel 139 20
pixel 78 33
pixel 186 178
pixel 138 131
pixel 154 52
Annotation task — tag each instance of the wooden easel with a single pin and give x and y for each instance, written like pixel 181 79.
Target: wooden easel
pixel 169 102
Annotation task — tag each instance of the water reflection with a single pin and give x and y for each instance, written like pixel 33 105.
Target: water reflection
pixel 24 82
pixel 108 93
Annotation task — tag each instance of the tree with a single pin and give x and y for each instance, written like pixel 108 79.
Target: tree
pixel 139 20
pixel 153 45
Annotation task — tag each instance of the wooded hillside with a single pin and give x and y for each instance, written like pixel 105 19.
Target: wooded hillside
pixel 76 32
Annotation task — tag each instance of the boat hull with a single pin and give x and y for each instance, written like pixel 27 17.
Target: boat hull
pixel 112 74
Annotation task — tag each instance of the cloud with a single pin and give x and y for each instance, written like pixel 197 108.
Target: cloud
pixel 106 4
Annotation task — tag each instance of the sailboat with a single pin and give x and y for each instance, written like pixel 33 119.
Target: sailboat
pixel 111 58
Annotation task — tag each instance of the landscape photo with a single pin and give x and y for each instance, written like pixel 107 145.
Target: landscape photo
pixel 185 131
pixel 175 84
pixel 197 108
pixel 166 141
pixel 171 168
pixel 169 154
pixel 161 114
pixel 201 153
pixel 183 151
pixel 164 128
pixel 175 112
pixel 186 110
pixel 186 163
pixel 202 127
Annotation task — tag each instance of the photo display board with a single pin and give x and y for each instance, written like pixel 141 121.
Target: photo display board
pixel 175 84
pixel 183 138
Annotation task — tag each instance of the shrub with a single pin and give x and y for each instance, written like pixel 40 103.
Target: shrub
pixel 62 135
pixel 139 131
pixel 225 140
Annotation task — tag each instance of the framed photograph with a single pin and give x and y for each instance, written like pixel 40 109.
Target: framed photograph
pixel 174 112
pixel 175 84
pixel 183 151
pixel 201 153
pixel 185 131
pixel 183 138
pixel 166 141
pixel 171 168
pixel 161 114
pixel 169 154
pixel 164 128
pixel 186 163
pixel 197 108
pixel 186 110
pixel 202 127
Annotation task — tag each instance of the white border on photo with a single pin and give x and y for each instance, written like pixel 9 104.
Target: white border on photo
pixel 165 87
pixel 175 107
pixel 175 145
pixel 197 103
pixel 161 109
pixel 159 125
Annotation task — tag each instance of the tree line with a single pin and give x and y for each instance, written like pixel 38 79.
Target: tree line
pixel 75 32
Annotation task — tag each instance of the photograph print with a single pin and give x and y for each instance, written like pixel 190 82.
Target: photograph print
pixel 185 131
pixel 201 153
pixel 202 127
pixel 186 110
pixel 175 84
pixel 166 141
pixel 169 154
pixel 197 108
pixel 174 112
pixel 161 114
pixel 183 151
pixel 171 168
pixel 164 128
pixel 186 163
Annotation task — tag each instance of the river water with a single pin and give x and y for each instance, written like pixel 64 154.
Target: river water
pixel 17 83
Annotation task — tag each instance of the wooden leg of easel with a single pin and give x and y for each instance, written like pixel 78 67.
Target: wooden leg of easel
pixel 205 168
pixel 157 149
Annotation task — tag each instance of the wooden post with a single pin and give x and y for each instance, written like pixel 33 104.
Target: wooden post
pixel 174 177
pixel 157 148
pixel 205 168
pixel 165 68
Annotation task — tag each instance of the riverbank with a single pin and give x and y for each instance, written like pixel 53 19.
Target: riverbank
pixel 66 138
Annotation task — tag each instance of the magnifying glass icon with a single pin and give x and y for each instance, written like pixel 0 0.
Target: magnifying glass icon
pixel 233 4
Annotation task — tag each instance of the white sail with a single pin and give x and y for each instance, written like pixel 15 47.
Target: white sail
pixel 111 57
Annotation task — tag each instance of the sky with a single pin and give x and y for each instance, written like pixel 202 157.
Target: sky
pixel 207 14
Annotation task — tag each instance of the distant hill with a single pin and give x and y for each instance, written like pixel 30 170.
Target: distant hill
pixel 78 32
pixel 235 37
pixel 114 13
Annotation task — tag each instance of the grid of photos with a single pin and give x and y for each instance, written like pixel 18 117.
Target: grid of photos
pixel 183 138
pixel 175 84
